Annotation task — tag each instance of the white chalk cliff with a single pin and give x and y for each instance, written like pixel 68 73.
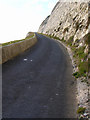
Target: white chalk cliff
pixel 67 19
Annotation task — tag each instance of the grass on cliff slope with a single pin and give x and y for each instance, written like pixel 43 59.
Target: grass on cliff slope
pixel 15 41
pixel 87 38
pixel 79 55
pixel 50 36
pixel 81 110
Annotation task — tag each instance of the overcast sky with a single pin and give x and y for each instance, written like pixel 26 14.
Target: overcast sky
pixel 18 17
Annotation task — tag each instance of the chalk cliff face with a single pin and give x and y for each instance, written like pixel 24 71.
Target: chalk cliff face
pixel 67 19
pixel 42 26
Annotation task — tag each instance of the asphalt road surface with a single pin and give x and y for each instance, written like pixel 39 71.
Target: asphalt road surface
pixel 38 83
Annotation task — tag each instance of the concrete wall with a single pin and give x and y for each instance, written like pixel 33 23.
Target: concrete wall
pixel 12 50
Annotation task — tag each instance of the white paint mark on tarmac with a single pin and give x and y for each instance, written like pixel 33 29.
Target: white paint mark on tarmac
pixel 25 59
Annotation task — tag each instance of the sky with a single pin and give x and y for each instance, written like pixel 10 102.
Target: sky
pixel 18 17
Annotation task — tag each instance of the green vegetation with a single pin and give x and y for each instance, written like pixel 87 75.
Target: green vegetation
pixel 15 41
pixel 85 80
pixel 77 40
pixel 11 42
pixel 87 39
pixel 69 42
pixel 81 110
pixel 54 37
pixel 63 40
pixel 76 74
pixel 89 64
pixel 50 36
pixel 28 37
pixel 83 68
pixel 80 52
pixel 80 57
pixel 81 61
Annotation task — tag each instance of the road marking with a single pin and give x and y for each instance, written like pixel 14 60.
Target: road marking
pixel 25 59
pixel 57 94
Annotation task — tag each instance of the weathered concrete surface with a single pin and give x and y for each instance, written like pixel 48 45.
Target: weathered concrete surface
pixel 15 49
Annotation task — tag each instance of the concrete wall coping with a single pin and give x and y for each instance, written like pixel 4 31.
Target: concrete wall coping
pixel 7 52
